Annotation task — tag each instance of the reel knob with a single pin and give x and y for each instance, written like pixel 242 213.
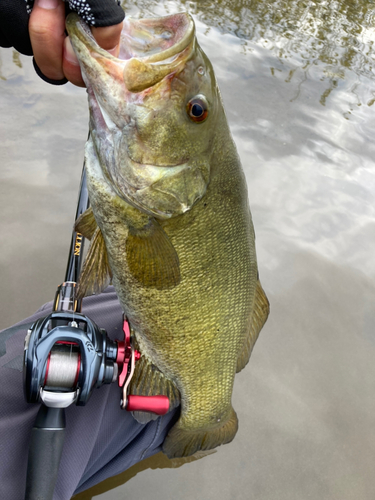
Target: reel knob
pixel 154 404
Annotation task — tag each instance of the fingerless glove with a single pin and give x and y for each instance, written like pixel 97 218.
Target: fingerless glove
pixel 14 19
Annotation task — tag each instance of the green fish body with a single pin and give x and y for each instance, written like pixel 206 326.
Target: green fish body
pixel 170 223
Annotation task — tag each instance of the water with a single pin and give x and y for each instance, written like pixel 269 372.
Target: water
pixel 298 84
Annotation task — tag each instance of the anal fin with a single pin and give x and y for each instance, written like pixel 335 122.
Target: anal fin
pixel 258 318
pixel 149 381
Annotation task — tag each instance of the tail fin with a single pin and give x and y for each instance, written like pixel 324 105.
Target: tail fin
pixel 182 442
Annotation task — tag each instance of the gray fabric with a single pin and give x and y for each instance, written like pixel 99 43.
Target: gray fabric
pixel 5 334
pixel 101 439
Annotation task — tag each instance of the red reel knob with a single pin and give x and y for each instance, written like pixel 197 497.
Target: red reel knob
pixel 154 404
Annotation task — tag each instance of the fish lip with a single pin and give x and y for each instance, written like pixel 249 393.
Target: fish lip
pixel 154 165
pixel 128 189
pixel 78 27
pixel 180 26
pixel 170 170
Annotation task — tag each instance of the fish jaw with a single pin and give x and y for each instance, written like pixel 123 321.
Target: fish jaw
pixel 155 158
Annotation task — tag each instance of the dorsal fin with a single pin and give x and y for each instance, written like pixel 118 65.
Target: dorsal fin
pixel 258 318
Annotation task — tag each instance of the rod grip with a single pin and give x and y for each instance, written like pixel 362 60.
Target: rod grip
pixel 46 444
pixel 154 404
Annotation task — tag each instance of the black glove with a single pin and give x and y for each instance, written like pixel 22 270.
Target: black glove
pixel 98 13
pixel 14 20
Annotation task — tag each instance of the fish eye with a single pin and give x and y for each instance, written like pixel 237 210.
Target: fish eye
pixel 197 109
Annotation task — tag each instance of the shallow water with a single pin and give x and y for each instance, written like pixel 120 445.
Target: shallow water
pixel 298 84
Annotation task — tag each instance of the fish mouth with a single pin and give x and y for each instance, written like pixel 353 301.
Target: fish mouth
pixel 182 163
pixel 150 49
pixel 156 39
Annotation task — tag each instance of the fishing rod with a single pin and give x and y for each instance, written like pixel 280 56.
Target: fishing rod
pixel 67 356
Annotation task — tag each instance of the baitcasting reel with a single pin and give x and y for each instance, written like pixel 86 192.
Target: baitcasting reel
pixel 67 356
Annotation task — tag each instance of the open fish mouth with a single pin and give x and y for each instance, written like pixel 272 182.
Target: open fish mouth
pixel 156 39
pixel 150 49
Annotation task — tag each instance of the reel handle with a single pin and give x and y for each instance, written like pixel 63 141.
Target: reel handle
pixel 47 439
pixel 154 404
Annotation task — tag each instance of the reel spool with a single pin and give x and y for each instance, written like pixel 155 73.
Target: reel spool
pixel 63 366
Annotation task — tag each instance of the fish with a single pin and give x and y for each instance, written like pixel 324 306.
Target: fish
pixel 169 222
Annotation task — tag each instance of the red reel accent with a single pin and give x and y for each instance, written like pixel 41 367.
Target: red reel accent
pixel 65 342
pixel 123 353
pixel 121 347
pixel 78 368
pixel 47 368
pixel 154 404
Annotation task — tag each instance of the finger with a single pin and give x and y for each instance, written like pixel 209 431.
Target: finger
pixel 108 38
pixel 47 34
pixel 71 68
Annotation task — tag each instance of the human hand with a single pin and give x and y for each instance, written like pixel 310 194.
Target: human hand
pixel 53 53
pixel 52 49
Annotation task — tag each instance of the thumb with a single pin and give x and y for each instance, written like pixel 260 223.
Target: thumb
pixel 108 38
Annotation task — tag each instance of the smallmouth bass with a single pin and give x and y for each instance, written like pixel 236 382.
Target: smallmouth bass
pixel 169 222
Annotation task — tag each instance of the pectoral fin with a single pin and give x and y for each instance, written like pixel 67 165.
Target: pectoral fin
pixel 96 274
pixel 258 318
pixel 151 257
pixel 86 224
